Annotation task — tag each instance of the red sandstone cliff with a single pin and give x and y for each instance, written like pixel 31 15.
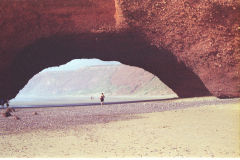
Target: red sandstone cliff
pixel 192 46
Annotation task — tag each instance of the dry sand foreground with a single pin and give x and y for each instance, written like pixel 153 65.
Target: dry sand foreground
pixel 199 127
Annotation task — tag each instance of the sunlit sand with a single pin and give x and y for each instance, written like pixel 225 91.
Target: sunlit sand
pixel 203 131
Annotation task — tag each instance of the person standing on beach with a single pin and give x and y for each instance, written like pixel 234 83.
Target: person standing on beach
pixel 7 103
pixel 102 99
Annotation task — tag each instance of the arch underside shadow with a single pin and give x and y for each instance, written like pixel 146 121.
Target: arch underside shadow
pixel 126 47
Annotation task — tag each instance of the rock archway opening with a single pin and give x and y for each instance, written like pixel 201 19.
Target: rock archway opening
pixel 127 47
pixel 81 81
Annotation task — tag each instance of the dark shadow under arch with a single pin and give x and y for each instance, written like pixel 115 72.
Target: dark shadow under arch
pixel 127 47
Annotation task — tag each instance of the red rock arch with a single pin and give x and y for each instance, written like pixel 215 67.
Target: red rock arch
pixel 183 43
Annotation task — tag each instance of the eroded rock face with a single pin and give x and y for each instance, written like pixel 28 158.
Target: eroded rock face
pixel 192 46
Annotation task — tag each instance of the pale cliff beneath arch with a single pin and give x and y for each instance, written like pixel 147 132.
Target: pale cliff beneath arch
pixel 192 46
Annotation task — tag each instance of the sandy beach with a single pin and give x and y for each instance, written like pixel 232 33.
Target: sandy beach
pixel 192 127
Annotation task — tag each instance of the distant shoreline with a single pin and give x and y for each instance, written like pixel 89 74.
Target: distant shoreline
pixel 89 104
pixel 212 100
pixel 81 101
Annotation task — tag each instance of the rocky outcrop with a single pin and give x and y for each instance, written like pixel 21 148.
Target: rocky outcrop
pixel 192 46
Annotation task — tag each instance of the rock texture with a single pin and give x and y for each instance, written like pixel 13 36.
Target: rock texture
pixel 191 45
